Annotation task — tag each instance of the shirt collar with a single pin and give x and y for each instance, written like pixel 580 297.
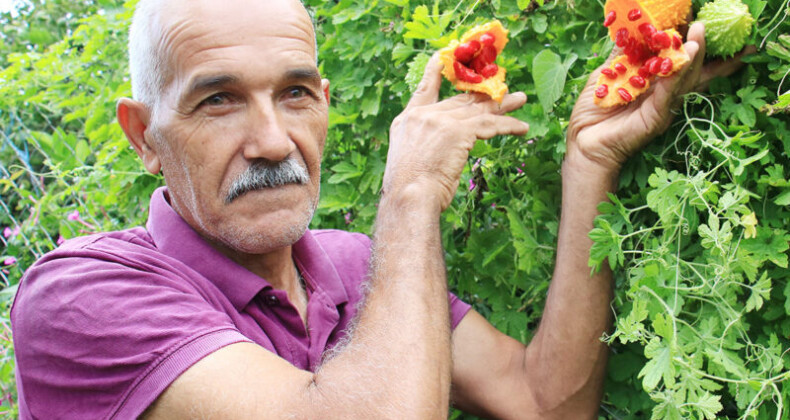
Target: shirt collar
pixel 318 270
pixel 174 237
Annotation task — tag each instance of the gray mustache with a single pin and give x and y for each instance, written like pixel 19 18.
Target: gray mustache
pixel 267 174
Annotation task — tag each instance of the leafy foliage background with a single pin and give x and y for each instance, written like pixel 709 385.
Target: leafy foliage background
pixel 697 233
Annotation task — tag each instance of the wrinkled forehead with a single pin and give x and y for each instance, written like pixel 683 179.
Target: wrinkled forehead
pixel 193 26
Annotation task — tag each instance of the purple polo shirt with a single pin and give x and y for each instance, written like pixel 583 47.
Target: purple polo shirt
pixel 103 324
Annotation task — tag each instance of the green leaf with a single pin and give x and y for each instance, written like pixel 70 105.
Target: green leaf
pixel 549 73
pixel 540 23
pixel 425 25
pixel 709 405
pixel 760 292
pixel 82 151
pixel 659 366
pixel 416 70
pixel 344 171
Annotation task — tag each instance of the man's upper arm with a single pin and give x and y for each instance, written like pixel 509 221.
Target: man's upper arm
pixel 488 371
pixel 95 338
pixel 492 377
pixel 239 381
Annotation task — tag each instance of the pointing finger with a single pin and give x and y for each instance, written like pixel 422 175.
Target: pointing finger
pixel 428 90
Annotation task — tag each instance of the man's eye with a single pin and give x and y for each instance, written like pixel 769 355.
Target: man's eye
pixel 297 92
pixel 216 99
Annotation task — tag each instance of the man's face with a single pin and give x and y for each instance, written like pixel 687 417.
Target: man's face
pixel 242 89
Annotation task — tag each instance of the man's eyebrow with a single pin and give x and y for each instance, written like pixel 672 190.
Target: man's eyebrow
pixel 307 73
pixel 206 83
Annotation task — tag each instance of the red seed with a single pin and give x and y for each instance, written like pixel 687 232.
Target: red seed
pixel 625 95
pixel 466 74
pixel 620 68
pixel 634 15
pixel 676 42
pixel 644 71
pixel 609 73
pixel 635 51
pixel 647 29
pixel 478 64
pixel 631 47
pixel 489 70
pixel 666 66
pixel 637 81
pixel 488 54
pixel 602 91
pixel 466 51
pixel 487 39
pixel 661 40
pixel 654 65
pixel 621 37
pixel 610 18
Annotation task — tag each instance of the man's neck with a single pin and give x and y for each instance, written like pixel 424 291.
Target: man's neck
pixel 277 268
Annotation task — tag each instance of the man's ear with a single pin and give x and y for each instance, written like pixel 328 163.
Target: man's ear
pixel 325 88
pixel 134 118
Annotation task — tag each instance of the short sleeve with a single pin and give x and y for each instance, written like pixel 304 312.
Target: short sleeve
pixel 98 335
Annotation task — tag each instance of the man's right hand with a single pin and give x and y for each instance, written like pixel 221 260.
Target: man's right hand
pixel 430 140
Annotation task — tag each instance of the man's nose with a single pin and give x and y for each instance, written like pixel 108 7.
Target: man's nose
pixel 267 135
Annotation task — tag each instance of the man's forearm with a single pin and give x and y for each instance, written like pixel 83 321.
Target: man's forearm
pixel 566 357
pixel 402 331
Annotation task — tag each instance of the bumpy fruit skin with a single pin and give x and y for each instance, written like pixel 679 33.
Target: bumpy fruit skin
pixel 493 85
pixel 663 14
pixel 728 24
pixel 645 32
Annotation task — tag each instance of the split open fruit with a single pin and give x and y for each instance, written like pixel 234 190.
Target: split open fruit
pixel 469 63
pixel 645 30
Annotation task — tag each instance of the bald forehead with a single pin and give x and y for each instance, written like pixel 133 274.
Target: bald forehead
pixel 239 18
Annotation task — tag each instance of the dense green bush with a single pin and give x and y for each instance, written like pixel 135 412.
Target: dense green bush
pixel 697 233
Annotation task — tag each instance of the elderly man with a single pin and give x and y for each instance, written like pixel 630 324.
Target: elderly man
pixel 226 307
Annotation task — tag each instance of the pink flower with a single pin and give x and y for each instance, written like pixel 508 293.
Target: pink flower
pixel 60 240
pixel 493 205
pixel 519 171
pixel 530 141
pixel 476 165
pixel 9 233
pixel 74 216
pixel 472 184
pixel 347 216
pixel 9 261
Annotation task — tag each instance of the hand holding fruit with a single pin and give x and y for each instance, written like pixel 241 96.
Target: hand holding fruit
pixel 430 140
pixel 606 137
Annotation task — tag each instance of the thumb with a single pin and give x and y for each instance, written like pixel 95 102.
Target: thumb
pixel 428 90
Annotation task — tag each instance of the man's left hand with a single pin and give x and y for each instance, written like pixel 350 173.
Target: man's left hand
pixel 608 137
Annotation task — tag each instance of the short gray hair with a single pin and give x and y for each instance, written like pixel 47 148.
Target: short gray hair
pixel 146 64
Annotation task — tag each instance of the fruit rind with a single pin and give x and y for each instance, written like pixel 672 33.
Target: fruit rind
pixel 728 25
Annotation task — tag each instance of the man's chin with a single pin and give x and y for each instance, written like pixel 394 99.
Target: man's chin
pixel 267 230
pixel 255 242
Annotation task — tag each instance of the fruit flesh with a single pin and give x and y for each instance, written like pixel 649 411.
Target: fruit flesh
pixel 651 47
pixel 469 63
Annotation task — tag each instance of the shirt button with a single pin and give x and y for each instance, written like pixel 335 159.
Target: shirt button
pixel 271 300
